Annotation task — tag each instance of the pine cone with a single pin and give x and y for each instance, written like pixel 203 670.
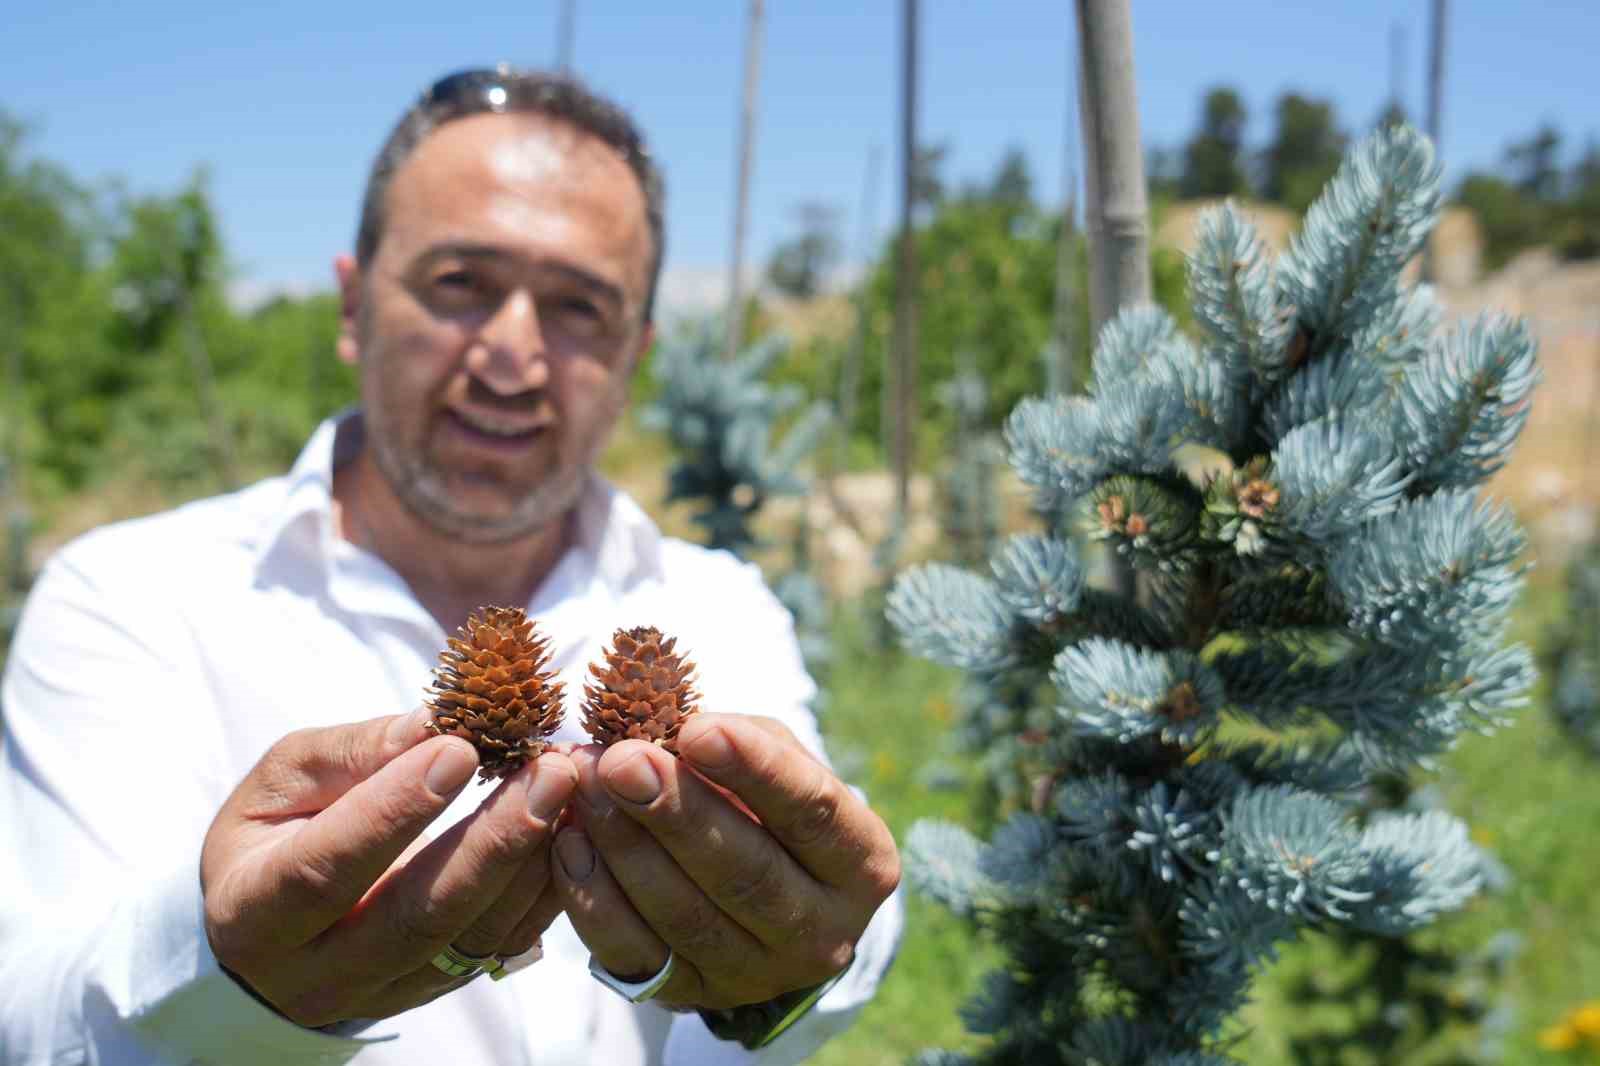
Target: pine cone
pixel 643 693
pixel 491 687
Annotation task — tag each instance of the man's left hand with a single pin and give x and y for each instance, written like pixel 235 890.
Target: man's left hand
pixel 749 858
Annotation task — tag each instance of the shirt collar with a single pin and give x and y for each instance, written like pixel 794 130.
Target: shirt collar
pixel 614 540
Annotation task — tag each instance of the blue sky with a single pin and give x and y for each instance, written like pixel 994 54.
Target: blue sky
pixel 286 103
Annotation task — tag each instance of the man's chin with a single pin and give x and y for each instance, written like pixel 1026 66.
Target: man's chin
pixel 495 520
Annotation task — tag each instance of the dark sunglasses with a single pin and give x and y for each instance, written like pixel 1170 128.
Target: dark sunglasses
pixel 479 89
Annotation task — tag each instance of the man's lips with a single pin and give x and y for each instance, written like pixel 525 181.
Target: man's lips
pixel 500 431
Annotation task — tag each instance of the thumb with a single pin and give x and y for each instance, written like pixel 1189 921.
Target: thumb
pixel 309 769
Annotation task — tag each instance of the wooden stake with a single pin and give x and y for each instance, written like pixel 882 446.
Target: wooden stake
pixel 1436 39
pixel 902 379
pixel 747 136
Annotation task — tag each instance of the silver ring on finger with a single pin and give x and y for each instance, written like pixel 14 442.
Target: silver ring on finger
pixel 634 991
pixel 457 963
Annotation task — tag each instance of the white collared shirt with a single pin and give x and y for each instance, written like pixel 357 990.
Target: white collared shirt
pixel 157 659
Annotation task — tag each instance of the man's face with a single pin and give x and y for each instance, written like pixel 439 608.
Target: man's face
pixel 500 321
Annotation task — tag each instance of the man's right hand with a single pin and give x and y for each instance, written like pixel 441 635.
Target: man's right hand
pixel 324 897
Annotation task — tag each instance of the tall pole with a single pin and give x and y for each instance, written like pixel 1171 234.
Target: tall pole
pixel 1058 373
pixel 1115 212
pixel 850 371
pixel 741 211
pixel 1397 67
pixel 566 31
pixel 903 364
pixel 1436 39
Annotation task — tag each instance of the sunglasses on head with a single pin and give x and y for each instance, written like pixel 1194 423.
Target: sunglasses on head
pixel 485 88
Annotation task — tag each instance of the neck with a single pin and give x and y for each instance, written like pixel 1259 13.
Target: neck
pixel 450 578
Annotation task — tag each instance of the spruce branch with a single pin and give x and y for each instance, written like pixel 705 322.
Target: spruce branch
pixel 1466 402
pixel 1370 220
pixel 1231 291
pixel 1129 341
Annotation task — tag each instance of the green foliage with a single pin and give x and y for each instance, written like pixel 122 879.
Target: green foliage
pixel 1509 220
pixel 1532 201
pixel 986 264
pixel 1571 654
pixel 116 307
pixel 799 267
pixel 1304 152
pixel 1577 231
pixel 1213 160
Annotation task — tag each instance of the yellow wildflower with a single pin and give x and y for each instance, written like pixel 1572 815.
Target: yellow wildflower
pixel 1561 1037
pixel 1586 1019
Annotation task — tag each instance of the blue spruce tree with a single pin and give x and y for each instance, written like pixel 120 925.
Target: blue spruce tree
pixel 721 417
pixel 1572 654
pixel 1321 597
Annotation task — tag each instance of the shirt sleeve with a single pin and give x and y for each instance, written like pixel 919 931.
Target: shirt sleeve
pixel 107 787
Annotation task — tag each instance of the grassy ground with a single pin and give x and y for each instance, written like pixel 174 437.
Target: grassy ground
pixel 888 716
pixel 1527 794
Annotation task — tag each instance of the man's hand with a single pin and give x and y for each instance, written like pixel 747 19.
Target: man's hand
pixel 758 867
pixel 324 897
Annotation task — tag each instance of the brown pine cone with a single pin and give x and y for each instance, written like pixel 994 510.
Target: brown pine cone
pixel 492 687
pixel 643 690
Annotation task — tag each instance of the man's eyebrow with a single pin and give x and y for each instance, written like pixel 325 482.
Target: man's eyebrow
pixel 473 250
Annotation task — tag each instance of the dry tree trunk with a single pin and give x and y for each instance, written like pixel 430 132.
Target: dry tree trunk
pixel 741 211
pixel 902 379
pixel 1059 372
pixel 566 30
pixel 1441 14
pixel 1115 215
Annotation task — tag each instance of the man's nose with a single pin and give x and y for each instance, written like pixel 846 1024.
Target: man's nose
pixel 510 355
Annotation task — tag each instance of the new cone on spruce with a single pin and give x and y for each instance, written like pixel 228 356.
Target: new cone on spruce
pixel 492 687
pixel 643 692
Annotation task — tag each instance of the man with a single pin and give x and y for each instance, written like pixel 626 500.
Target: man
pixel 213 859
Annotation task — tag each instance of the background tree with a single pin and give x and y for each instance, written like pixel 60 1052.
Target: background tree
pixel 1304 152
pixel 1012 182
pixel 993 264
pixel 927 175
pixel 800 266
pixel 1534 164
pixel 1531 200
pixel 1578 225
pixel 1213 160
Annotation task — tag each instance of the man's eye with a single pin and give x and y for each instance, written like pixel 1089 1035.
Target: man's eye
pixel 456 279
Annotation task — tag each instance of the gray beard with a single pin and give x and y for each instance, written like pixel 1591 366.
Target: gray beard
pixel 423 494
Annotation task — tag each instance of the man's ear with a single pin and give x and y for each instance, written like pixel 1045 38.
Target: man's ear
pixel 348 274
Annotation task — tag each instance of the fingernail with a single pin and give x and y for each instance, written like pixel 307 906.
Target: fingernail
pixel 513 963
pixel 451 768
pixel 710 749
pixel 548 790
pixel 407 728
pixel 635 780
pixel 577 857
